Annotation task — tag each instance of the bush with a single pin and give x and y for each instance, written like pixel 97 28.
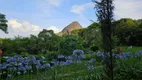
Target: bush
pixel 24 54
pixel 90 56
pixel 51 55
pixel 94 48
pixel 129 69
pixel 68 44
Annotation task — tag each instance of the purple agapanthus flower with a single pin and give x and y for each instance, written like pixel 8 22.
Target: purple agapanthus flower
pixel 91 60
pixel 78 54
pixel 61 56
pixel 18 73
pixel 79 62
pixel 90 67
pixel 9 75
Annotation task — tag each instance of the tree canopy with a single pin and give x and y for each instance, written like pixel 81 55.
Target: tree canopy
pixel 3 23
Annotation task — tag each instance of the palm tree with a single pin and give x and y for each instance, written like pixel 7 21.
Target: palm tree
pixel 3 23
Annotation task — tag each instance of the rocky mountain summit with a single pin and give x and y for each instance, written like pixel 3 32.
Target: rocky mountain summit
pixel 69 28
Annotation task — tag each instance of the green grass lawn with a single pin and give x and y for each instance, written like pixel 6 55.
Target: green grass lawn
pixel 133 49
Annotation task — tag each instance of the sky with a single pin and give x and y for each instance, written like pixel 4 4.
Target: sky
pixel 27 17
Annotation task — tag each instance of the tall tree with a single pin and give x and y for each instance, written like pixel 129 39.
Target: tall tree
pixel 3 21
pixel 104 10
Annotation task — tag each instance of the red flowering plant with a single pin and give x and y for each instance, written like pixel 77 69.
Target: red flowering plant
pixel 0 52
pixel 120 50
pixel 0 55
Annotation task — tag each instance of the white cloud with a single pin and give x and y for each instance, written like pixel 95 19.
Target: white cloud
pixel 23 28
pixel 128 8
pixel 48 6
pixel 54 2
pixel 123 8
pixel 79 9
pixel 50 2
pixel 55 29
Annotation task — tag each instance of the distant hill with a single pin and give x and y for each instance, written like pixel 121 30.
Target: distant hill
pixel 69 28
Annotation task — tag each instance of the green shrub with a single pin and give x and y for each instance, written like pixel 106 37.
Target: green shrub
pixel 51 55
pixel 68 44
pixel 94 48
pixel 130 69
pixel 89 56
pixel 10 54
pixel 24 54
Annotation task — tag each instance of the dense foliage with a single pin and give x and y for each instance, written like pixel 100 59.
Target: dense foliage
pixel 91 36
pixel 104 13
pixel 128 66
pixel 86 38
pixel 128 31
pixel 82 50
pixel 46 42
pixel 3 25
pixel 18 65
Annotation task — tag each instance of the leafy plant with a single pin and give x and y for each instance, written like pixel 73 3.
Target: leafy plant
pixel 129 69
pixel 68 44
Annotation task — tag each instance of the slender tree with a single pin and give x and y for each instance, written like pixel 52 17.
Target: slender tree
pixel 3 21
pixel 104 13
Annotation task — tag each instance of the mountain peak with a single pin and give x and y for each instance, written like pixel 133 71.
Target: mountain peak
pixel 73 26
pixel 69 28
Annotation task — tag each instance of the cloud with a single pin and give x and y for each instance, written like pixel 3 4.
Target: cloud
pixel 128 8
pixel 50 2
pixel 48 6
pixel 23 28
pixel 79 9
pixel 55 29
pixel 123 8
pixel 54 2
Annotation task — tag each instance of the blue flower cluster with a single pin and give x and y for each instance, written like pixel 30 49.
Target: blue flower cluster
pixel 90 64
pixel 90 67
pixel 76 57
pixel 21 65
pixel 138 54
pixel 66 60
pixel 124 55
